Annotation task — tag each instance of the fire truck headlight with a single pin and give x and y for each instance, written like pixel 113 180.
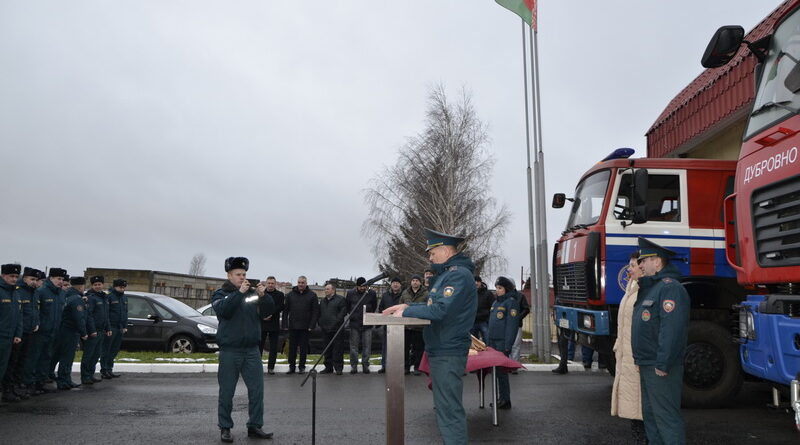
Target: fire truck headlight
pixel 747 325
pixel 588 321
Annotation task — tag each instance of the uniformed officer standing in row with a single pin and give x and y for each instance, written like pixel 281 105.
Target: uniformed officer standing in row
pixel 237 307
pixel 451 307
pixel 50 301
pixel 13 380
pixel 97 309
pixel 659 334
pixel 73 326
pixel 117 324
pixel 503 325
pixel 10 319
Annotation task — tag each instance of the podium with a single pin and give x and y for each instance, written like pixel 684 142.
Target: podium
pixel 395 376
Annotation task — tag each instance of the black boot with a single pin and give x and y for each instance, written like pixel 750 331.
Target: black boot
pixel 225 435
pixel 258 433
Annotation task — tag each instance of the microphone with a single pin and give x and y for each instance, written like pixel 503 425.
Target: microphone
pixel 376 278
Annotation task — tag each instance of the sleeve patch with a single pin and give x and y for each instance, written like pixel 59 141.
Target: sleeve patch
pixel 448 291
pixel 513 312
pixel 500 315
pixel 668 305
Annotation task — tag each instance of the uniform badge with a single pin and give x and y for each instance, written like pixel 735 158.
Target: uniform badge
pixel 646 315
pixel 500 315
pixel 513 312
pixel 668 305
pixel 448 291
pixel 430 302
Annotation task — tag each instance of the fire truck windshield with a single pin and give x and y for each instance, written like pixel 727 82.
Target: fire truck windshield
pixel 589 197
pixel 774 102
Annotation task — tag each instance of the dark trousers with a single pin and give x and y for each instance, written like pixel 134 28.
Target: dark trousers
pixel 109 350
pixel 273 346
pixel 334 356
pixel 66 344
pixel 247 363
pixel 39 358
pixel 16 363
pixel 415 343
pixel 661 405
pixel 298 339
pixel 6 343
pixel 563 346
pixel 448 390
pixel 362 335
pixel 92 347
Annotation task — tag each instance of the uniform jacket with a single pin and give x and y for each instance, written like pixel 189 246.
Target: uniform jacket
pixel 451 307
pixel 389 299
pixel 51 304
pixel 504 322
pixel 30 309
pixel 117 309
pixel 74 315
pixel 332 313
pixel 238 315
pixel 485 300
pixel 97 307
pixel 357 310
pixel 302 309
pixel 626 395
pixel 274 323
pixel 660 320
pixel 10 312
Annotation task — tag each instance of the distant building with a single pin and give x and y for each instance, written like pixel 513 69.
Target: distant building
pixel 193 290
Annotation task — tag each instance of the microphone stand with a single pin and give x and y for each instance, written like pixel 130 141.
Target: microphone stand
pixel 313 372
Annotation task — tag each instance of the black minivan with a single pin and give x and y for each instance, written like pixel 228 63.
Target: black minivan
pixel 162 323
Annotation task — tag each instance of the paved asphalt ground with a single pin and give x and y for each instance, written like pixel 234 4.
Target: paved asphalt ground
pixel 181 409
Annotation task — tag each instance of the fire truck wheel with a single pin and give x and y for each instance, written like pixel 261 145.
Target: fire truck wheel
pixel 712 374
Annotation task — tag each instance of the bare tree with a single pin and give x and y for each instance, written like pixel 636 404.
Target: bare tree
pixel 440 181
pixel 197 266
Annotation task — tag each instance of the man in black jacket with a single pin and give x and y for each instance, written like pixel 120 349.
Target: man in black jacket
pixel 332 311
pixel 485 300
pixel 359 332
pixel 270 322
pixel 390 298
pixel 237 307
pixel 300 316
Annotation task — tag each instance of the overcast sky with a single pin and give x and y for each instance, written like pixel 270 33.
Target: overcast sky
pixel 136 134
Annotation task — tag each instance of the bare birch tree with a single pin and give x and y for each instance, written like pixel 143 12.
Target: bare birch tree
pixel 197 266
pixel 440 181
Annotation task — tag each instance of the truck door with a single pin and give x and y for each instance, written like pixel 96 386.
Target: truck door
pixel 667 224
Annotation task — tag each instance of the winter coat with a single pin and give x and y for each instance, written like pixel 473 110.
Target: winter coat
pixel 411 297
pixel 357 310
pixel 30 307
pixel 10 312
pixel 273 324
pixel 51 304
pixel 485 300
pixel 332 313
pixel 389 299
pixel 239 320
pixel 626 395
pixel 301 310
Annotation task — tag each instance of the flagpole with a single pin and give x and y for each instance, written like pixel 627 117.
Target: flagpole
pixel 541 211
pixel 531 233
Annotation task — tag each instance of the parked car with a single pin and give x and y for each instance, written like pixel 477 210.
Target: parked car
pixel 159 322
pixel 207 310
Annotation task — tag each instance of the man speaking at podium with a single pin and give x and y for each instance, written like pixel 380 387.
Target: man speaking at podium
pixel 451 307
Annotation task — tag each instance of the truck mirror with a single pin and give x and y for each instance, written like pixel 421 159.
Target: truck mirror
pixel 639 195
pixel 792 81
pixel 723 46
pixel 559 199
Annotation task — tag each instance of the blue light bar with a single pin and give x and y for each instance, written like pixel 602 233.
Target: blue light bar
pixel 620 153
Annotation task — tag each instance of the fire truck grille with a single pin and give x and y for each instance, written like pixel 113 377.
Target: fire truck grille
pixel 571 281
pixel 776 223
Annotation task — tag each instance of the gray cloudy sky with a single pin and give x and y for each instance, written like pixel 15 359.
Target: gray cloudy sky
pixel 136 134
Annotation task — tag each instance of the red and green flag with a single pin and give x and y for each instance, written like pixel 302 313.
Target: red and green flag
pixel 523 8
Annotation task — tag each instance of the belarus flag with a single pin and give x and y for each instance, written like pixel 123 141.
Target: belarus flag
pixel 523 8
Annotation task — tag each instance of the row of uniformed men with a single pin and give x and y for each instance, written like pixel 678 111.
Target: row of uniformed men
pixel 41 322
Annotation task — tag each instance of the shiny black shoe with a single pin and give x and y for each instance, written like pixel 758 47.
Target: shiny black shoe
pixel 87 382
pixel 96 380
pixel 353 371
pixel 290 371
pixel 560 370
pixel 326 371
pixel 225 435
pixel 301 371
pixel 271 371
pixel 106 376
pixel 116 376
pixel 382 370
pixel 258 433
pixel 75 385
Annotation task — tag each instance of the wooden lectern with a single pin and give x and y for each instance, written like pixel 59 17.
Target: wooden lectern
pixel 395 376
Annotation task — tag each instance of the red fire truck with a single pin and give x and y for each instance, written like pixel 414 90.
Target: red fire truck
pixel 676 203
pixel 762 216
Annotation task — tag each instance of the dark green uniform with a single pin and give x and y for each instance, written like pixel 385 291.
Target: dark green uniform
pixel 451 307
pixel 503 326
pixel 238 337
pixel 117 321
pixel 73 327
pixel 50 305
pixel 659 333
pixel 96 317
pixel 10 322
